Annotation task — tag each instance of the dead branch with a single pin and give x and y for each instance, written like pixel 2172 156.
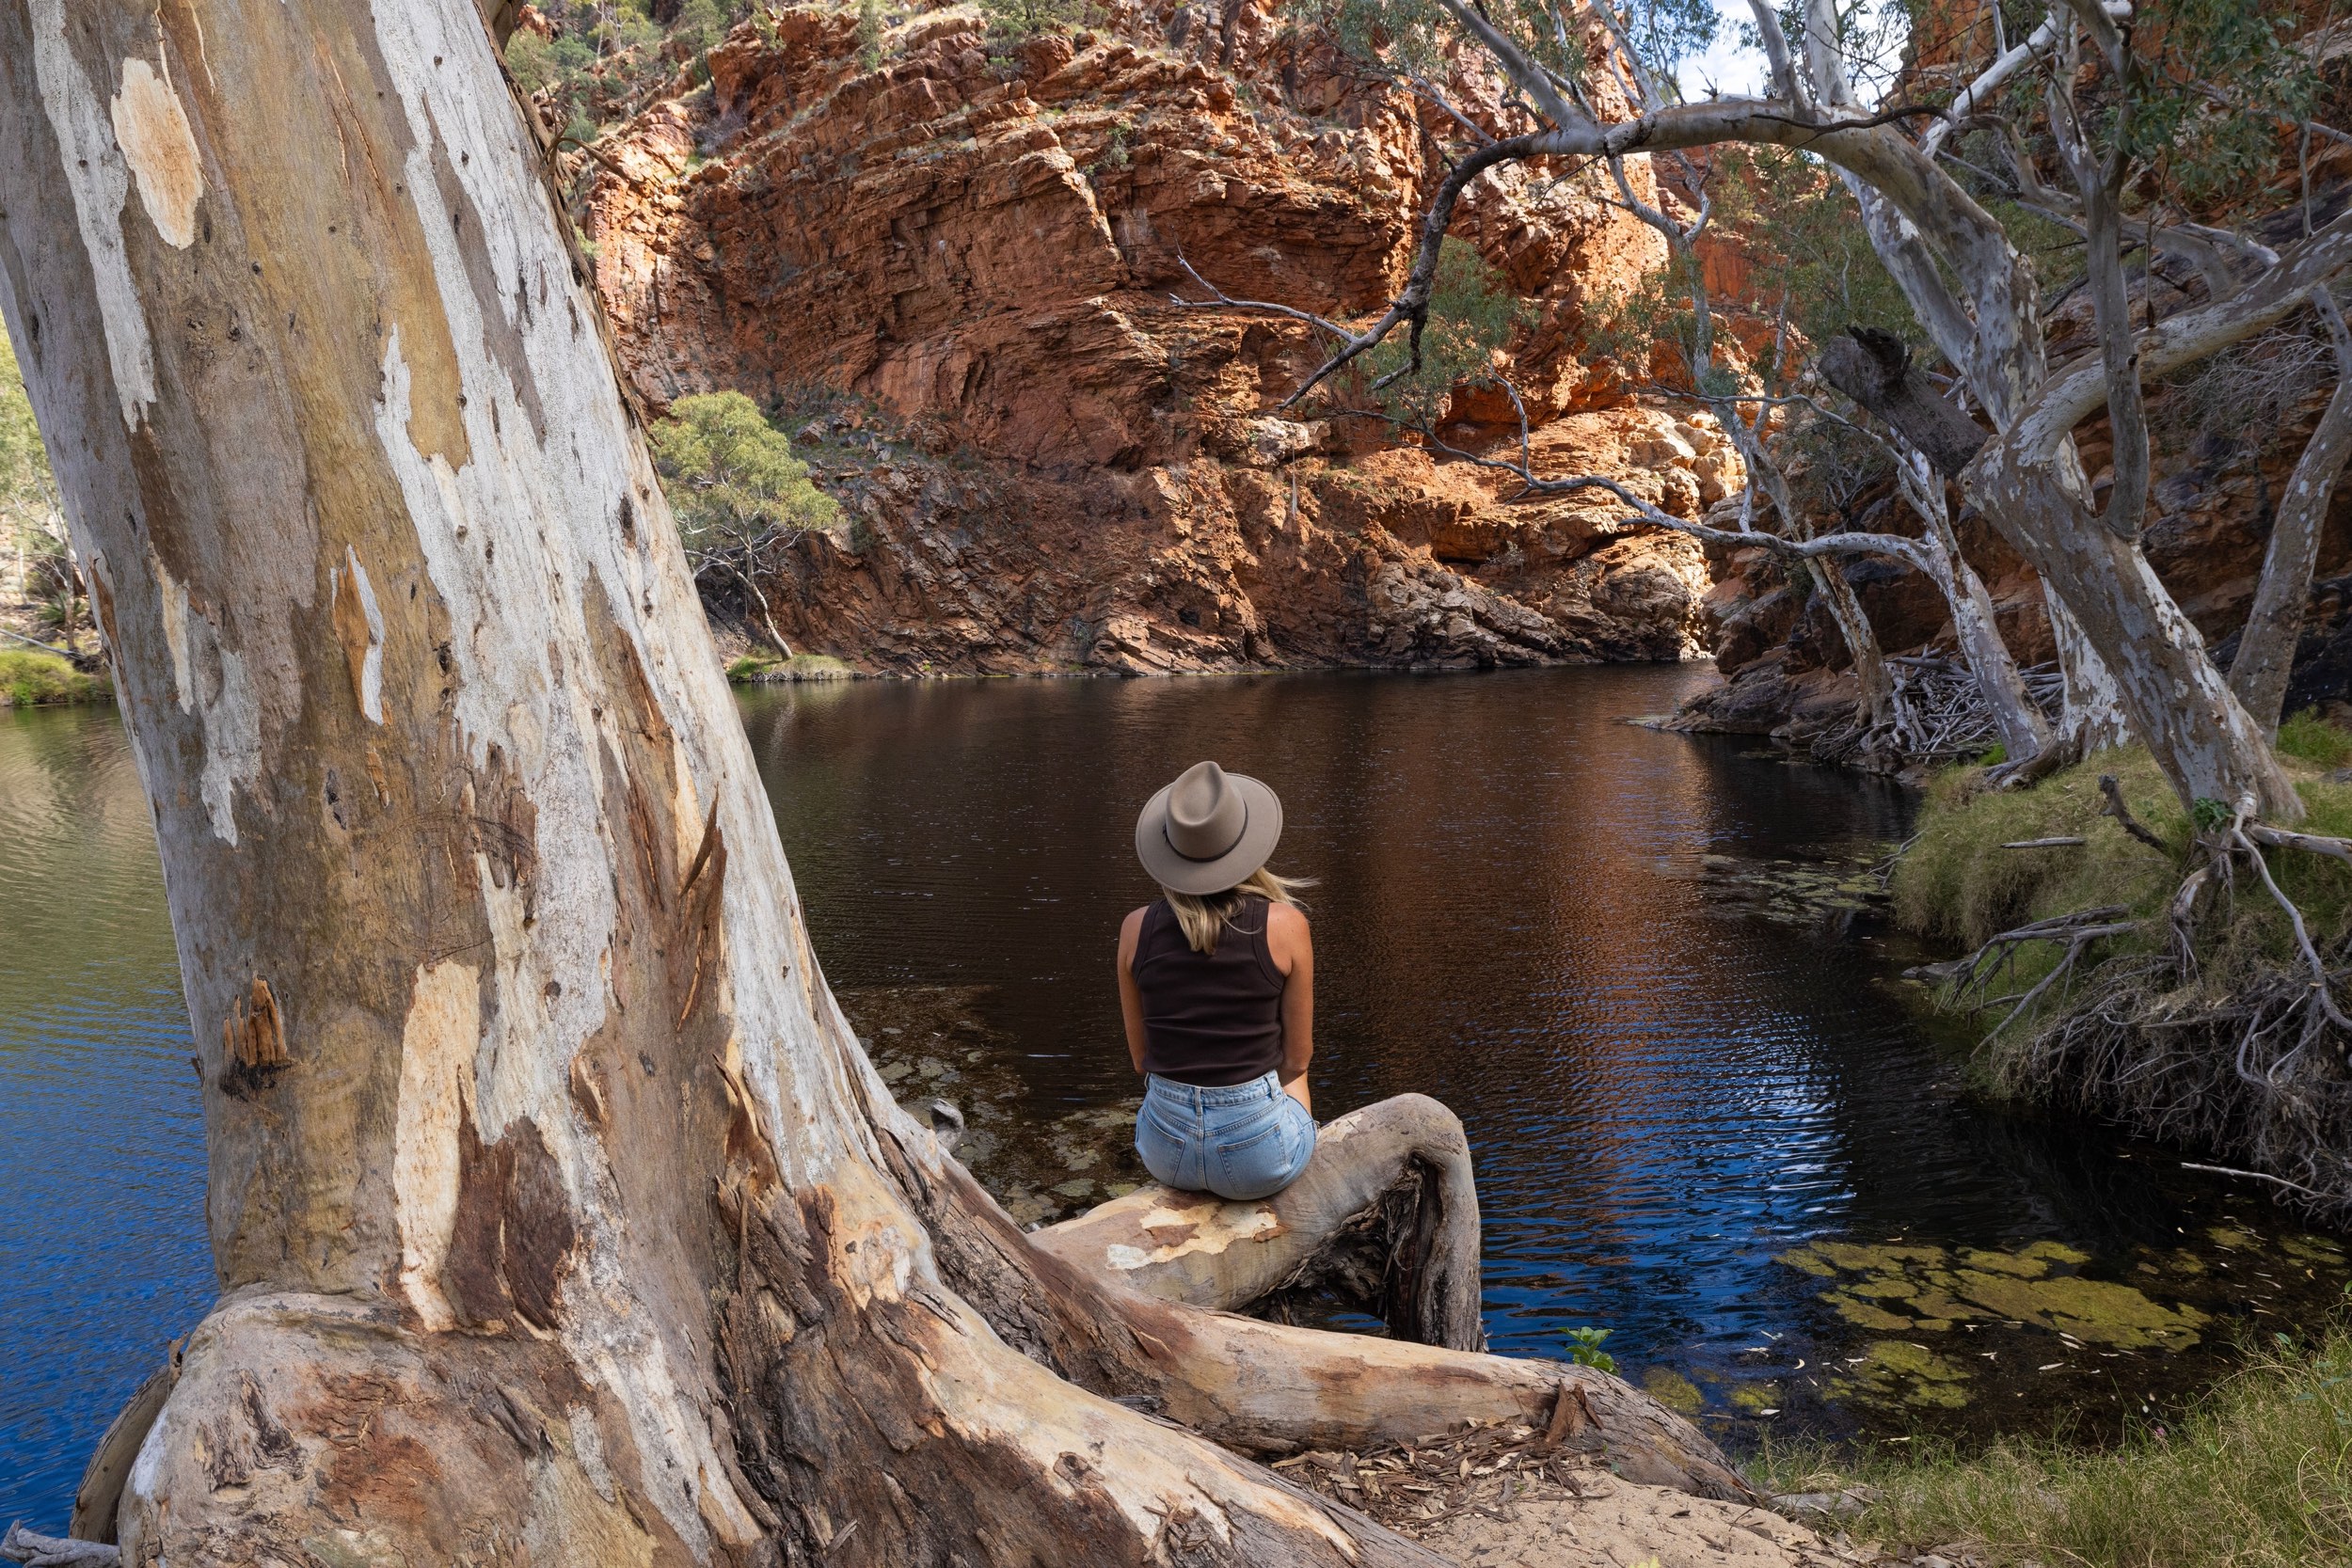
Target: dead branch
pixel 1972 976
pixel 2282 838
pixel 2115 807
pixel 2063 841
pixel 2254 1175
pixel 1219 299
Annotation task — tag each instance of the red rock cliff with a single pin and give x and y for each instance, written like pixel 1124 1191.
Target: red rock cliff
pixel 954 274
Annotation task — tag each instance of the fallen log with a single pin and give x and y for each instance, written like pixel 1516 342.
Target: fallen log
pixel 1384 1219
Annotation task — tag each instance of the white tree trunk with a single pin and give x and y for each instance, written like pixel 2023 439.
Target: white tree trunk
pixel 2023 734
pixel 557 1215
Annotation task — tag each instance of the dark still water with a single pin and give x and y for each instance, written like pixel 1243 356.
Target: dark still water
pixel 1706 1112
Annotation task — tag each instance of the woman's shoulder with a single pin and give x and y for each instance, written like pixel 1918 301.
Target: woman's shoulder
pixel 1285 917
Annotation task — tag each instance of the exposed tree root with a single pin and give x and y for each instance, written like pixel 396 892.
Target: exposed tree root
pixel 2250 1064
pixel 49 1551
pixel 1384 1220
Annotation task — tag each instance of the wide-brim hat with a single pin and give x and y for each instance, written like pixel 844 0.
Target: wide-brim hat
pixel 1208 831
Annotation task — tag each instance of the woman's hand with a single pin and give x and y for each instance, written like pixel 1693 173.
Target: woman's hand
pixel 1130 999
pixel 1290 941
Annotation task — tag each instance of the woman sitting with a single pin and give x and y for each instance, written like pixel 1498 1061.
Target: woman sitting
pixel 1217 982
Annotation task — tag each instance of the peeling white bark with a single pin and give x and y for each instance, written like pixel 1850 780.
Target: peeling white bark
pixel 152 130
pixel 94 171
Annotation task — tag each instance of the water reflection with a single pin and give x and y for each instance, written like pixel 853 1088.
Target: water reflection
pixel 1522 909
pixel 103 1256
pixel 1517 912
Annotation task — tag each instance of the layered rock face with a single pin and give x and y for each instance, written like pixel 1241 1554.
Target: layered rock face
pixel 952 274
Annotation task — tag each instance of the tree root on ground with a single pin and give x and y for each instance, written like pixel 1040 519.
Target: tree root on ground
pixel 49 1551
pixel 1383 1220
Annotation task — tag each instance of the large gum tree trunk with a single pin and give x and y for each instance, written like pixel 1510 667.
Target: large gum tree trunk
pixel 557 1216
pixel 2177 702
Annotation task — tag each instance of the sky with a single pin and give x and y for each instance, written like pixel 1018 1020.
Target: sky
pixel 1736 71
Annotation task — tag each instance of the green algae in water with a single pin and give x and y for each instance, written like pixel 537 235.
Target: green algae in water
pixel 1673 1391
pixel 2095 1311
pixel 1899 1372
pixel 1894 1287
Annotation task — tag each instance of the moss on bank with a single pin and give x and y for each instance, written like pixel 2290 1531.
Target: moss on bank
pixel 1958 883
pixel 29 678
pixel 758 669
pixel 2257 1475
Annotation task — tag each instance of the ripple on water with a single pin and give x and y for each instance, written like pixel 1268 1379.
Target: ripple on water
pixel 1641 966
pixel 102 1254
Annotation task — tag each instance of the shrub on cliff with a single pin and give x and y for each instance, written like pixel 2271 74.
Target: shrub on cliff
pixel 1472 313
pixel 1026 18
pixel 739 494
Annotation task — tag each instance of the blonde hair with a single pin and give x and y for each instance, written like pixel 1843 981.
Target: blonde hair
pixel 1202 916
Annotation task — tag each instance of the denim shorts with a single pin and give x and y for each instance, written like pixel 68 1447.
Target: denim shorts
pixel 1243 1141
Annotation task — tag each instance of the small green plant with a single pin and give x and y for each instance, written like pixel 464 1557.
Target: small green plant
pixel 1029 18
pixel 739 493
pixel 2209 813
pixel 870 34
pixel 1584 1349
pixel 2314 740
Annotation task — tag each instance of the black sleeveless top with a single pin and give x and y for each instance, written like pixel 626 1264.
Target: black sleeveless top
pixel 1209 1018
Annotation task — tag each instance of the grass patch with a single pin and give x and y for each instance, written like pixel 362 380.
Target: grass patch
pixel 2314 740
pixel 29 678
pixel 1959 884
pixel 2256 1475
pixel 2222 1053
pixel 760 668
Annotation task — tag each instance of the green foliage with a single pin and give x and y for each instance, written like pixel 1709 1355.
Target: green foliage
pixel 700 25
pixel 1029 18
pixel 2257 1475
pixel 1412 38
pixel 1473 314
pixel 2315 741
pixel 1584 1349
pixel 32 526
pixel 869 33
pixel 25 482
pixel 730 475
pixel 2197 114
pixel 604 58
pixel 29 677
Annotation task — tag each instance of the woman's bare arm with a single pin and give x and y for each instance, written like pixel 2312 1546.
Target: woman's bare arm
pixel 1290 941
pixel 1130 999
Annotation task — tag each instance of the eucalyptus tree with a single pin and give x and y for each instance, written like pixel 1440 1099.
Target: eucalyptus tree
pixel 557 1215
pixel 1778 209
pixel 2133 111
